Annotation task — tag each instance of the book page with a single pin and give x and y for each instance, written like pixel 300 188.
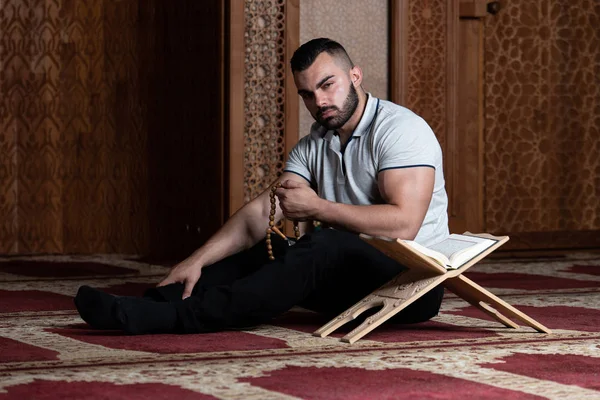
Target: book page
pixel 461 248
pixel 437 256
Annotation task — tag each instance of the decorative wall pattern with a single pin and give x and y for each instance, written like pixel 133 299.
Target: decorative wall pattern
pixel 362 28
pixel 111 134
pixel 71 128
pixel 542 116
pixel 427 73
pixel 264 152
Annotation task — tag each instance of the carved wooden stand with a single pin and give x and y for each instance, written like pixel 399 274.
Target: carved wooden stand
pixel 423 275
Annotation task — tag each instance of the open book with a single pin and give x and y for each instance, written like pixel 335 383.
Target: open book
pixel 455 250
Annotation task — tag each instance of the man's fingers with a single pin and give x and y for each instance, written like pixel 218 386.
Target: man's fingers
pixel 290 184
pixel 189 286
pixel 164 282
pixel 168 279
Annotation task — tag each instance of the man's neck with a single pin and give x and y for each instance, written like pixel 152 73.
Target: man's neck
pixel 346 131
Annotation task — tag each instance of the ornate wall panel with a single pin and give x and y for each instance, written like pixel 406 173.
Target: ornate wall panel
pixel 71 129
pixel 542 116
pixel 427 62
pixel 111 125
pixel 362 28
pixel 104 133
pixel 30 126
pixel 430 66
pixel 264 84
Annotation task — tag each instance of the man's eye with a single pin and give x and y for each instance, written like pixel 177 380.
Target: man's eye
pixel 328 84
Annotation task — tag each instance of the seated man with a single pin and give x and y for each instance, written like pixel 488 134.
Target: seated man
pixel 367 166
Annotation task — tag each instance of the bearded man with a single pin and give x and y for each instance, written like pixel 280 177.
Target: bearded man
pixel 367 166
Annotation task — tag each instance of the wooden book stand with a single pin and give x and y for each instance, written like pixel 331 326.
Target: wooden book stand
pixel 422 275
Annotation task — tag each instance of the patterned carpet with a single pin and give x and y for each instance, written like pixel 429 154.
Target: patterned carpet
pixel 47 352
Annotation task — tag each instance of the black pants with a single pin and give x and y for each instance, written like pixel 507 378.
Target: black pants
pixel 326 271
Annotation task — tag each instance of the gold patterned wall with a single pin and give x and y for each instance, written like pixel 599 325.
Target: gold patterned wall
pixel 361 26
pixel 542 116
pixel 264 82
pixel 71 128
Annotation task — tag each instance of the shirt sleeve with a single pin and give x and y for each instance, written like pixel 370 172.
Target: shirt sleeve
pixel 297 161
pixel 405 144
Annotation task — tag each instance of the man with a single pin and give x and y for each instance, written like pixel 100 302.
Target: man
pixel 368 166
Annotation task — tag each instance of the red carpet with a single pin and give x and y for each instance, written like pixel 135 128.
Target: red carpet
pixel 47 352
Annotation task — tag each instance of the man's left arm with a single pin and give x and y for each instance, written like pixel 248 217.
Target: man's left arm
pixel 406 191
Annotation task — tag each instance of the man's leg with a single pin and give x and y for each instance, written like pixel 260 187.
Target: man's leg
pixel 318 265
pixel 224 272
pixel 140 315
pixel 364 270
pixel 300 274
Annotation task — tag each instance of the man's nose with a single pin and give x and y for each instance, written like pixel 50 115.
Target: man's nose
pixel 320 100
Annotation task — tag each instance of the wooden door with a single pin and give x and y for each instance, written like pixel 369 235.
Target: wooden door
pixel 529 100
pixel 466 210
pixel 512 91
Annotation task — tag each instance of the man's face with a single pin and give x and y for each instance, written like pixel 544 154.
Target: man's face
pixel 327 91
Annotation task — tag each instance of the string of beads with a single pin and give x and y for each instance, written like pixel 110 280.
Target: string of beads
pixel 272 228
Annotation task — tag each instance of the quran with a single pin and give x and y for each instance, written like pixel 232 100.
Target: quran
pixel 455 250
pixel 451 253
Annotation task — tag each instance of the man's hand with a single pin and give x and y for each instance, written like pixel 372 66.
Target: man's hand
pixel 297 200
pixel 186 272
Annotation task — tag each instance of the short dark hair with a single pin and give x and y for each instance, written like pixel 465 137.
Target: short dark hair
pixel 306 54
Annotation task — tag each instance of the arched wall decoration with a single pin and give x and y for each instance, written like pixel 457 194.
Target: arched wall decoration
pixel 264 95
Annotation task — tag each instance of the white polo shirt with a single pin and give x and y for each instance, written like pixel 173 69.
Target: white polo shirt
pixel 388 136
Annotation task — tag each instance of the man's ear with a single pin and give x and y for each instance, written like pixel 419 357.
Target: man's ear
pixel 356 76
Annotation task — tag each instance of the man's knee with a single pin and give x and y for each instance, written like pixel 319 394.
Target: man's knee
pixel 425 308
pixel 329 247
pixel 170 292
pixel 329 235
pixel 335 242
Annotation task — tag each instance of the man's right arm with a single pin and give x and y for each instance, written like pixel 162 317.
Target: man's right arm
pixel 243 230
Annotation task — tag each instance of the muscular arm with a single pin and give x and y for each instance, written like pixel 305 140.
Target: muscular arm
pixel 243 230
pixel 407 192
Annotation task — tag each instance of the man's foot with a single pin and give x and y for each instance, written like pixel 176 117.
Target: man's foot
pixel 133 315
pixel 138 316
pixel 96 308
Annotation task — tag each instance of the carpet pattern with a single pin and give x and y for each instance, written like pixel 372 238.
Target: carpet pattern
pixel 47 352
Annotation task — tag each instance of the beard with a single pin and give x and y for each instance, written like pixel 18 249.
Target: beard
pixel 338 120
